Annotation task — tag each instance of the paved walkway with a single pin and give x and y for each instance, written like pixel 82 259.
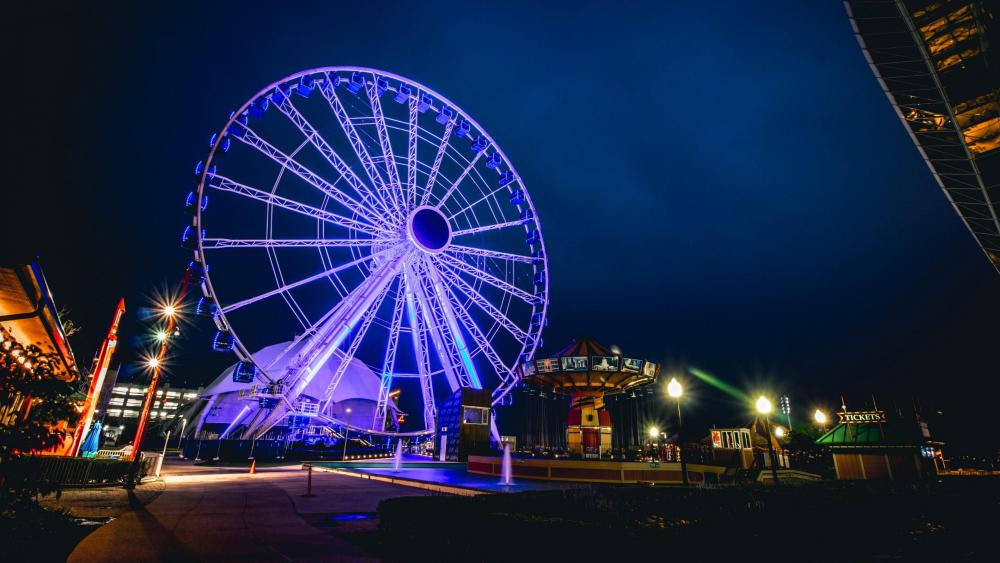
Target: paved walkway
pixel 228 515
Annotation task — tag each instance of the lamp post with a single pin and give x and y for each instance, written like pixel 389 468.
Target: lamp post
pixel 764 408
pixel 169 311
pixel 347 432
pixel 675 390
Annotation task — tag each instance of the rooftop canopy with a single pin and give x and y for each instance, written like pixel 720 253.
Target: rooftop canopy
pixel 586 365
pixel 896 433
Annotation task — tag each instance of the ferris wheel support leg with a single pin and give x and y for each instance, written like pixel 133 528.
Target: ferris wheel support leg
pixel 419 337
pixel 346 357
pixel 451 301
pixel 448 362
pixel 389 363
pixel 331 335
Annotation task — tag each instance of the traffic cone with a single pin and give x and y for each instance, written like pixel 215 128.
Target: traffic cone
pixel 253 467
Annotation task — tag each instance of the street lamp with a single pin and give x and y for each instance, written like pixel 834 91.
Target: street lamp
pixel 779 432
pixel 347 432
pixel 169 310
pixel 153 363
pixel 161 335
pixel 675 390
pixel 764 408
pixel 820 418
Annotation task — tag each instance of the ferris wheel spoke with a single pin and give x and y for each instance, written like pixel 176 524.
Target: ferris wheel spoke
pixel 217 243
pixel 352 349
pixel 304 281
pixel 221 183
pixel 458 368
pixel 418 334
pixel 330 94
pixel 454 185
pixel 487 228
pixel 473 329
pixel 395 189
pixel 411 152
pixel 389 361
pixel 489 308
pixel 438 157
pixel 368 194
pixel 483 253
pixel 465 267
pixel 250 138
pixel 477 202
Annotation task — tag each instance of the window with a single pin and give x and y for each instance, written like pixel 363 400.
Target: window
pixel 130 413
pixel 475 415
pixel 114 412
pixel 116 401
pixel 120 390
pixel 173 394
pixel 190 395
pixel 134 403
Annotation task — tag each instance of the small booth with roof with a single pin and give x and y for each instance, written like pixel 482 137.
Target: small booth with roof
pixel 872 446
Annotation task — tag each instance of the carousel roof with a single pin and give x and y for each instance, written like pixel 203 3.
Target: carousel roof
pixel 587 365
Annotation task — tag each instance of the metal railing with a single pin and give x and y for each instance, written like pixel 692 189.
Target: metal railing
pixel 77 471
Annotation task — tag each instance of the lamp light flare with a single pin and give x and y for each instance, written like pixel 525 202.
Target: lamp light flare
pixel 674 388
pixel 654 432
pixel 153 363
pixel 820 417
pixel 764 405
pixel 169 310
pixel 779 432
pixel 161 335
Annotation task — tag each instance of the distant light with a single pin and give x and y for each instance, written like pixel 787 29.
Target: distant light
pixel 153 363
pixel 820 417
pixel 615 349
pixel 779 432
pixel 674 388
pixel 764 405
pixel 654 432
pixel 348 409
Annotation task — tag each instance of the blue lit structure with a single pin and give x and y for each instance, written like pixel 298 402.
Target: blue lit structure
pixel 427 258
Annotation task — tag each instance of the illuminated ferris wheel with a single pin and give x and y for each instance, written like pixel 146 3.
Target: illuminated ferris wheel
pixel 369 219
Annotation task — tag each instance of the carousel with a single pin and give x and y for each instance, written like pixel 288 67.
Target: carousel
pixel 588 372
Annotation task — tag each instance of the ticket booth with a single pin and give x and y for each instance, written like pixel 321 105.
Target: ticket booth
pixel 870 446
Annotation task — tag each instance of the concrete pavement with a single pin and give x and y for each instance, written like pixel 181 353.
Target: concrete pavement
pixel 227 515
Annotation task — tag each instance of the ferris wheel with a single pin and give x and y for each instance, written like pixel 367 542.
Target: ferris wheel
pixel 367 218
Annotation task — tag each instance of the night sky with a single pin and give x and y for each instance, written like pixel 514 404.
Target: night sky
pixel 720 184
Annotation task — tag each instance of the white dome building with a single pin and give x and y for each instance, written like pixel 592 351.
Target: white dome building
pixel 221 409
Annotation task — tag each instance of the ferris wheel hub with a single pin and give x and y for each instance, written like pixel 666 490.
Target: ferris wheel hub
pixel 428 229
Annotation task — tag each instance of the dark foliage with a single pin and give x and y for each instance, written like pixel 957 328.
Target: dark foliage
pixel 821 521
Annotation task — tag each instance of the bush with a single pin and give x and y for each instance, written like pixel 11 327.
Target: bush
pixel 805 522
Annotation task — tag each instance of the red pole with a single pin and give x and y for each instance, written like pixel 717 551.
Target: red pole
pixel 94 392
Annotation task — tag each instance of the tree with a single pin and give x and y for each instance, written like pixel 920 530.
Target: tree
pixel 37 407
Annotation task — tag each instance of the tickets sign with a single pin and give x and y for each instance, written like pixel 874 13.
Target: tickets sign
pixel 862 417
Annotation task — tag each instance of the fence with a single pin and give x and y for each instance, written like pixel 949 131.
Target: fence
pixel 74 471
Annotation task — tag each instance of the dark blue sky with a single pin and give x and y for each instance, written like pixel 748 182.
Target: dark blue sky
pixel 719 183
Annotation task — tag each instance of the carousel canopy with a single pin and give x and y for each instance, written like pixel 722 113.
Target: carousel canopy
pixel 587 365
